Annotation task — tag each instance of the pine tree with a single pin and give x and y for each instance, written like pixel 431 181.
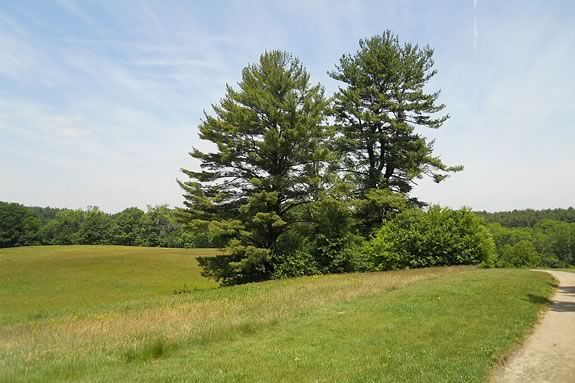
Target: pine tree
pixel 269 159
pixel 377 112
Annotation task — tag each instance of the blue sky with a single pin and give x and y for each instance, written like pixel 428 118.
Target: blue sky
pixel 100 100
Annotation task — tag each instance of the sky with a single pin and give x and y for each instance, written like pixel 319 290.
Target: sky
pixel 100 100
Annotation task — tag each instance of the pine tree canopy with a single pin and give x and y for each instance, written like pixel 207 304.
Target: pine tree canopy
pixel 269 157
pixel 382 103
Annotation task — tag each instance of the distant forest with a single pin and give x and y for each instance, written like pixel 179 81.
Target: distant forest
pixel 157 227
pixel 533 238
pixel 528 217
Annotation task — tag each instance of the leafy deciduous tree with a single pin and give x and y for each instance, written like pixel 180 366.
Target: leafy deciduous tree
pixel 63 229
pixel 157 228
pixel 96 227
pixel 18 225
pixel 126 226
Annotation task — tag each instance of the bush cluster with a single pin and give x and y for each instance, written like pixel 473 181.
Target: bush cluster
pixel 333 243
pixel 435 237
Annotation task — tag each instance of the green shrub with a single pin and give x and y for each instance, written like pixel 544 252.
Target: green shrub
pixel 320 244
pixel 359 254
pixel 299 263
pixel 521 254
pixel 438 236
pixel 240 264
pixel 292 256
pixel 331 235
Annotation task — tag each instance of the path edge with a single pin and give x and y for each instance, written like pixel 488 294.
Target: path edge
pixel 507 356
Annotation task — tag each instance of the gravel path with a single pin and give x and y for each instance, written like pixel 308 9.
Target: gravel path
pixel 548 355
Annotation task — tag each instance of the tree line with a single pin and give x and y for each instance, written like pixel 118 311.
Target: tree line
pixel 532 238
pixel 528 217
pixel 29 226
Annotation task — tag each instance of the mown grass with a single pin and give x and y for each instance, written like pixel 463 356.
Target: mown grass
pixel 427 325
pixel 44 281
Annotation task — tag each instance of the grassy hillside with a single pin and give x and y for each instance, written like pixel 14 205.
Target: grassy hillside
pixel 428 325
pixel 44 281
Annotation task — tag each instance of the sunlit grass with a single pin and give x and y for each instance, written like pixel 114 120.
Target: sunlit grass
pixel 43 281
pixel 428 325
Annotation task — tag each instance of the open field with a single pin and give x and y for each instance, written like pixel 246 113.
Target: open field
pixel 45 281
pixel 439 325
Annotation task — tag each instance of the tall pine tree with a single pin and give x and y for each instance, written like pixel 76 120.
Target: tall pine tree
pixel 269 159
pixel 377 111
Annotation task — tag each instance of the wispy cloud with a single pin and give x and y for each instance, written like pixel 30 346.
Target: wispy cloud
pixel 475 33
pixel 72 7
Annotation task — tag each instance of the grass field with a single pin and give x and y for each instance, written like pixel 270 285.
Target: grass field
pixel 427 325
pixel 45 281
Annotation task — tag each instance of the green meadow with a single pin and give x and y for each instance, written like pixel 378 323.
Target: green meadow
pixel 46 281
pixel 110 313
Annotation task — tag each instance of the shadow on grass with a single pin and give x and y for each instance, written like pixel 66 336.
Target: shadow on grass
pixel 557 306
pixel 539 299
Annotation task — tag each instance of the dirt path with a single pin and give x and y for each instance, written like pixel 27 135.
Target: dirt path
pixel 548 355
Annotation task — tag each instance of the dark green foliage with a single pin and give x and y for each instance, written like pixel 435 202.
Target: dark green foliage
pixel 377 205
pixel 293 255
pixel 127 226
pixel 528 217
pixel 508 236
pixel 556 242
pixel 319 243
pixel 18 225
pixel 381 104
pixel 438 236
pixel 553 241
pixel 25 226
pixel 220 268
pixel 269 160
pixel 519 254
pixel 242 264
pixel 96 228
pixel 63 229
pixel 157 228
pixel 331 233
pixel 45 214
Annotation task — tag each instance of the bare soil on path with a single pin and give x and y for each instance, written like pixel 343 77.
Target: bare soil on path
pixel 548 355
